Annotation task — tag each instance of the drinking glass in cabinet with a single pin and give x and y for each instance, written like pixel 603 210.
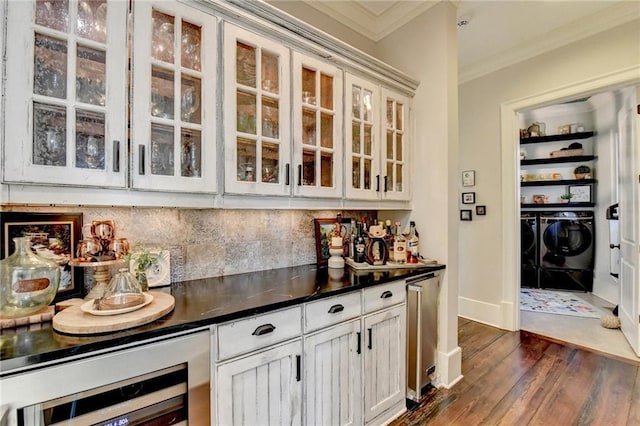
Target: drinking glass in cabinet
pixel 162 98
pixel 53 14
pixel 90 145
pixel 191 36
pixel 245 64
pixel 90 76
pixel 191 143
pixel 50 76
pixel 162 150
pixel 163 38
pixel 270 117
pixel 190 100
pixel 326 91
pixel 270 163
pixel 50 135
pixel 92 20
pixel 270 72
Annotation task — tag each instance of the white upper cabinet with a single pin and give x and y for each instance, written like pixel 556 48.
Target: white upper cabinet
pixel 65 93
pixel 174 98
pixel 257 114
pixel 362 139
pixel 395 147
pixel 317 127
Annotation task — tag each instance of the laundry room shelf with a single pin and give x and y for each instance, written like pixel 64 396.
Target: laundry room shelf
pixel 558 160
pixel 556 138
pixel 557 182
pixel 548 205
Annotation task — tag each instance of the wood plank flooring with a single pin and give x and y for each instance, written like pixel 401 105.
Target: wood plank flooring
pixel 519 378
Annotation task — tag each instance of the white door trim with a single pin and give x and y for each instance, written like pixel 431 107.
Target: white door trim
pixel 511 192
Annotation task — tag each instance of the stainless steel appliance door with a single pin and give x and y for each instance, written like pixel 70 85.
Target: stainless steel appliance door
pixel 26 396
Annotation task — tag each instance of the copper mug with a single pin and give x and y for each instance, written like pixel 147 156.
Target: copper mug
pixel 88 249
pixel 119 247
pixel 103 229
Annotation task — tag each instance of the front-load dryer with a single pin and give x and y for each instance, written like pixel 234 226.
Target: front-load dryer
pixel 529 249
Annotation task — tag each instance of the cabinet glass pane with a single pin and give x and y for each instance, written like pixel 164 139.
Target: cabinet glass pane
pixel 53 14
pixel 92 20
pixel 270 162
pixel 398 147
pixel 389 145
pixel 191 161
pixel 90 144
pixel 162 150
pixel 49 135
pixel 270 118
pixel 398 178
pixel 245 64
pixel 163 37
pixel 308 167
pixel 367 173
pixel 355 138
pixel 190 99
pixel 389 176
pixel 270 72
pixel 389 114
pixel 367 106
pixel 308 86
pixel 162 96
pixel 326 91
pixel 191 45
pixel 399 117
pixel 326 130
pixel 246 154
pixel 50 76
pixel 355 102
pixel 367 139
pixel 90 76
pixel 308 126
pixel 326 169
pixel 246 120
pixel 355 177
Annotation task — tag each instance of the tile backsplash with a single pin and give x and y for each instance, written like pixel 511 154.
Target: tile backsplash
pixel 211 242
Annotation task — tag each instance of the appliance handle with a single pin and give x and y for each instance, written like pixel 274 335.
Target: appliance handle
pixel 569 219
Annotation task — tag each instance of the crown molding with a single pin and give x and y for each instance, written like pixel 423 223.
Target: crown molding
pixel 614 16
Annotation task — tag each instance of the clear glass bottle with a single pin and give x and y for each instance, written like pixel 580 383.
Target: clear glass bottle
pixel 29 282
pixel 399 246
pixel 388 239
pixel 413 252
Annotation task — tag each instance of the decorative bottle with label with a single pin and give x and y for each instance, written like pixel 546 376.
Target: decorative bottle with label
pixel 388 239
pixel 413 253
pixel 360 246
pixel 399 246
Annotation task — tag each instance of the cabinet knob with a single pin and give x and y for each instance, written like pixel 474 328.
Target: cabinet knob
pixel 264 329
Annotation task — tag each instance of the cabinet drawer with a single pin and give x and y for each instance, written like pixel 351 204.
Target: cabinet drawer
pixel 331 311
pixel 384 295
pixel 246 335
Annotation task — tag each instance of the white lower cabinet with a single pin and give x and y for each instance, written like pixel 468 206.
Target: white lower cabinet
pixel 263 388
pixel 332 376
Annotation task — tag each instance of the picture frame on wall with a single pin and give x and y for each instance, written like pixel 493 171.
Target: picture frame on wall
pixel 465 215
pixel 481 210
pixel 468 198
pixel 468 178
pixel 324 229
pixel 580 193
pixel 53 236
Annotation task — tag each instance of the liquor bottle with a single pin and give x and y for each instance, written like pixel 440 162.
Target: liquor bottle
pixel 399 246
pixel 352 239
pixel 413 253
pixel 388 239
pixel 360 246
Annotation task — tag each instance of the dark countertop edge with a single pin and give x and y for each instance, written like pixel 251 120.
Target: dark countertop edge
pixel 139 335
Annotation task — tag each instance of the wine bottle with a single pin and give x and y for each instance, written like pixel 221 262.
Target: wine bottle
pixel 360 246
pixel 388 239
pixel 412 244
pixel 399 246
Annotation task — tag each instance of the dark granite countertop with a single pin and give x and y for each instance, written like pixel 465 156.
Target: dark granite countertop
pixel 199 303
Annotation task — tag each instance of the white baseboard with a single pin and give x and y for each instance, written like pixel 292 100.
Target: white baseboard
pixel 449 368
pixel 482 312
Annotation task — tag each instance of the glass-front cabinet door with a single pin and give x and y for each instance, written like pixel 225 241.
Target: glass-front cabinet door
pixel 317 128
pixel 395 156
pixel 256 114
pixel 66 93
pixel 174 110
pixel 362 136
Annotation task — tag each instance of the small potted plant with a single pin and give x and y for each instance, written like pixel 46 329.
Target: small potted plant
pixel 566 198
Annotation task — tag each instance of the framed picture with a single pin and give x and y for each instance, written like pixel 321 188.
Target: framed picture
pixel 324 229
pixel 53 236
pixel 468 178
pixel 468 198
pixel 580 193
pixel 465 215
pixel 159 274
pixel 481 210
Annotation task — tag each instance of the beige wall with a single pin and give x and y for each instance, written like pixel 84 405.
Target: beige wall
pixel 480 100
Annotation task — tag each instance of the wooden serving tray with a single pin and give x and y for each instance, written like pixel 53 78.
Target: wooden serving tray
pixel 366 267
pixel 74 321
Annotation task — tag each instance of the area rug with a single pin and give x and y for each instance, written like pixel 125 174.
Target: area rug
pixel 556 302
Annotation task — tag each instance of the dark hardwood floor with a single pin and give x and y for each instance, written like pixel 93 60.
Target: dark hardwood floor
pixel 519 378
